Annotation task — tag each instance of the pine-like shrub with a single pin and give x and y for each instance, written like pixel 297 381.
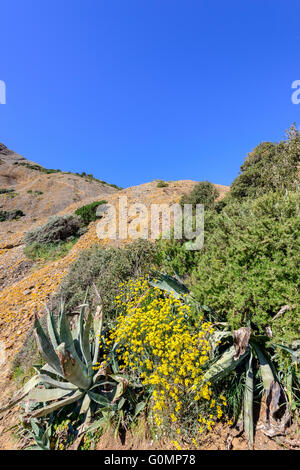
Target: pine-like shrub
pixel 87 213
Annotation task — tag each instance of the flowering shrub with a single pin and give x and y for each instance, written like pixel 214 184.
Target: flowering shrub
pixel 161 346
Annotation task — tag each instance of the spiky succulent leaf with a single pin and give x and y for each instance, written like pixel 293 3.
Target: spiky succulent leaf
pixel 99 399
pixel 55 406
pixel 85 342
pixel 47 369
pixel 46 380
pixel 45 347
pixel 67 338
pixel 248 403
pixel 73 369
pixel 44 395
pixel 98 325
pixel 52 330
pixel 169 284
pixel 21 394
pixel 265 368
pixel 224 366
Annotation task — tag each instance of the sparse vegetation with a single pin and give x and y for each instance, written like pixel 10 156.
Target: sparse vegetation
pixel 49 251
pixel 6 191
pixel 35 193
pixel 48 171
pixel 11 215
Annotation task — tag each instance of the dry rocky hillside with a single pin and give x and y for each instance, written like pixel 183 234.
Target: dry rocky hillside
pixel 25 285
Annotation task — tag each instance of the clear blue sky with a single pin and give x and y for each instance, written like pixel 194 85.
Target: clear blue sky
pixel 136 90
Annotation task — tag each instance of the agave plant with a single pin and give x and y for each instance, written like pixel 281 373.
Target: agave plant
pixel 69 374
pixel 245 352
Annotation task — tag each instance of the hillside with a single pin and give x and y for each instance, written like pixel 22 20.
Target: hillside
pixel 251 231
pixel 25 285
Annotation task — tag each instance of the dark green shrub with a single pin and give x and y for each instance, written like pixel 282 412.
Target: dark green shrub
pixel 204 193
pixel 6 191
pixel 87 213
pixel 107 268
pixel 11 215
pixel 57 229
pixel 269 167
pixel 249 266
pixel 36 193
pixel 162 184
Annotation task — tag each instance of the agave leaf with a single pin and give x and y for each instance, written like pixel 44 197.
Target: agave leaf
pixel 273 394
pixel 169 284
pixel 51 372
pixel 45 347
pixel 120 390
pixel 99 399
pixel 85 342
pixel 101 383
pixel 36 429
pixel 139 408
pixel 216 337
pixel 81 316
pixel 265 368
pixel 85 405
pixel 46 380
pixel 55 406
pixel 21 394
pixel 98 324
pixel 43 395
pixel 226 364
pixel 248 403
pixel 66 337
pixel 73 369
pixel 52 330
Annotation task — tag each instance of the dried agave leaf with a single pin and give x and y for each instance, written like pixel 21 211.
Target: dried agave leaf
pixel 241 339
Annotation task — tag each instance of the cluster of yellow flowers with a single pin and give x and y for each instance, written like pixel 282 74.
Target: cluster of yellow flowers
pixel 157 340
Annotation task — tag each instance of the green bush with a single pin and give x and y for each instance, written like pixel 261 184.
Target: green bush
pixel 107 268
pixel 249 266
pixel 57 229
pixel 204 193
pixel 162 184
pixel 6 191
pixel 35 193
pixel 11 215
pixel 269 167
pixel 87 213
